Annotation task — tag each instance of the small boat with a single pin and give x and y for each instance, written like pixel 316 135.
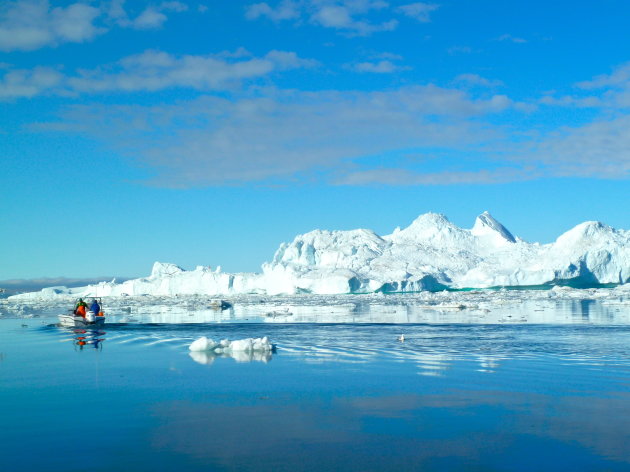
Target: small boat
pixel 78 321
pixel 90 319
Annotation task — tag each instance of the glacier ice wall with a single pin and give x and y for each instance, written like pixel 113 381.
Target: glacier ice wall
pixel 430 254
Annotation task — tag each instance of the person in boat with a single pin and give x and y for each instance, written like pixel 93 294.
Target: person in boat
pixel 79 310
pixel 95 307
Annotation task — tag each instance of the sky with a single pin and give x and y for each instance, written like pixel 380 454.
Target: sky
pixel 206 133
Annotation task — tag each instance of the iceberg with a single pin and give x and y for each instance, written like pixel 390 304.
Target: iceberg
pixel 430 254
pixel 204 344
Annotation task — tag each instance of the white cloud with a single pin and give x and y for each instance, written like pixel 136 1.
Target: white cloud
pixel 218 141
pixel 620 78
pixel 26 25
pixel 340 17
pixel 286 10
pixel 173 6
pixel 350 17
pixel 379 67
pixel 157 70
pixel 605 91
pixel 477 80
pixel 391 176
pixel 509 37
pixel 283 60
pixel 598 149
pixel 420 11
pixel 20 83
pixel 614 89
pixel 388 56
pixel 569 101
pixel 152 17
pixel 153 71
pixel 292 134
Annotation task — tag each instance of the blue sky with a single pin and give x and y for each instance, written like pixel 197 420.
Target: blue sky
pixel 205 133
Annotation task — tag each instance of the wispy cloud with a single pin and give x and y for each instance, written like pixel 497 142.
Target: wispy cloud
pixel 285 10
pixel 22 83
pixel 255 134
pixel 157 70
pixel 27 25
pixel 619 78
pixel 287 135
pixel 154 17
pixel 31 24
pixel 379 67
pixel 217 141
pixel 605 91
pixel 389 176
pixel 151 17
pixel 510 38
pixel 598 149
pixel 420 11
pixel 350 17
pixel 343 17
pixel 152 71
pixel 477 80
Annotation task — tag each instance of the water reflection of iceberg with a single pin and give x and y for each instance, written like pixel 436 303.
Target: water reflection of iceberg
pixel 208 357
pixel 434 365
pixel 489 364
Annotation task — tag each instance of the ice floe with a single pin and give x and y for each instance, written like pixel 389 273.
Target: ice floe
pixel 204 344
pixel 556 305
pixel 205 350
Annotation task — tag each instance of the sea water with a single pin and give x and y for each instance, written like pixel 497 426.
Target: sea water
pixel 456 394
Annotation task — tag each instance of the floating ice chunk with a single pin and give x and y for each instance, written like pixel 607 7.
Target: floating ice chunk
pixel 205 350
pixel 225 346
pixel 203 344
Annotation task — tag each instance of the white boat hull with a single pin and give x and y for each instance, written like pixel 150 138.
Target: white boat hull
pixel 79 321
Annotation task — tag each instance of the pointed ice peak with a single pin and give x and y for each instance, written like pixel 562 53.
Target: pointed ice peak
pixel 591 227
pixel 486 225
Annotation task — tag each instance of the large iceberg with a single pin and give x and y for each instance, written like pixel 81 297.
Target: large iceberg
pixel 430 254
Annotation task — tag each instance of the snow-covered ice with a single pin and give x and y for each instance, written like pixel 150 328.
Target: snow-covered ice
pixel 204 350
pixel 556 305
pixel 430 254
pixel 219 347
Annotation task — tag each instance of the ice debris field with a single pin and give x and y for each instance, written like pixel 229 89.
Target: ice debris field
pixel 431 254
pixel 555 305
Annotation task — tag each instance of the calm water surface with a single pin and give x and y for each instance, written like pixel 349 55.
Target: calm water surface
pixel 474 397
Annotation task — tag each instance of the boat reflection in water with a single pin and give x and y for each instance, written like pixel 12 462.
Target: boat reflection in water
pixel 83 338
